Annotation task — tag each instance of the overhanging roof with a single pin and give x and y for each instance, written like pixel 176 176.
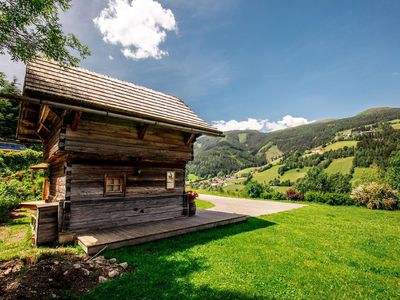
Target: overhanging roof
pixel 48 80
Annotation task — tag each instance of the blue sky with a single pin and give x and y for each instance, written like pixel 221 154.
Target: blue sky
pixel 235 60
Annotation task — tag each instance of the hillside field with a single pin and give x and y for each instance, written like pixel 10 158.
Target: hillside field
pixel 340 165
pixel 272 153
pixel 294 174
pixel 362 175
pixel 267 175
pixel 339 145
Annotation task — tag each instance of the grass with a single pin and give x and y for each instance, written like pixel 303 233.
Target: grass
pixel 364 175
pixel 192 177
pixel 396 126
pixel 282 189
pixel 202 204
pixel 339 145
pixel 267 175
pixel 340 165
pixel 242 137
pixel 246 171
pixel 15 239
pixel 294 174
pixel 272 152
pixel 316 252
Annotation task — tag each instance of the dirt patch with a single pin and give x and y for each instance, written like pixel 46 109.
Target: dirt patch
pixel 55 277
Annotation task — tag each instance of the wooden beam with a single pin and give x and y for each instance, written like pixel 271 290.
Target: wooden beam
pixel 190 139
pixel 44 112
pixel 76 117
pixel 142 131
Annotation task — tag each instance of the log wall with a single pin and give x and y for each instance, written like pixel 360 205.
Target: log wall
pixel 103 147
pixel 120 140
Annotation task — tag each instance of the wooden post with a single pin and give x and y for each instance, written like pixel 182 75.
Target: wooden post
pixel 76 117
pixel 142 131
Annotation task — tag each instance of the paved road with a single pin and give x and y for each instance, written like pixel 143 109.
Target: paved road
pixel 247 207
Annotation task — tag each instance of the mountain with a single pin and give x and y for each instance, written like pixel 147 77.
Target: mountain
pixel 249 148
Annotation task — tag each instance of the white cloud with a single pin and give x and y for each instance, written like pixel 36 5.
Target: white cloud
pixel 110 57
pixel 139 26
pixel 261 125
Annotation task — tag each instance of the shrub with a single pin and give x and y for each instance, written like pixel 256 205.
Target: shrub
pixel 254 189
pixel 329 198
pixel 275 195
pixel 316 180
pixel 14 189
pixel 376 196
pixel 292 194
pixel 11 162
pixel 393 172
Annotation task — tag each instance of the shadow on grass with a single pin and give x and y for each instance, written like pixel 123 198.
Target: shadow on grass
pixel 162 269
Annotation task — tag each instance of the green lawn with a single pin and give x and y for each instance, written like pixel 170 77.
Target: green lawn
pixel 15 239
pixel 316 252
pixel 202 204
pixel 339 145
pixel 294 174
pixel 267 175
pixel 340 165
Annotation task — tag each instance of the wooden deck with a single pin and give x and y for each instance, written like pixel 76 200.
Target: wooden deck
pixel 94 241
pixel 35 204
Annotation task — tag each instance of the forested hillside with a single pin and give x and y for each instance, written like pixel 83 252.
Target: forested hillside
pixel 242 149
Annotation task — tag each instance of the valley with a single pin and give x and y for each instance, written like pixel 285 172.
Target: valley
pixel 358 149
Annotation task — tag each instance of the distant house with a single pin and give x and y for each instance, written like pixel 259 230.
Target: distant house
pixel 6 147
pixel 316 150
pixel 116 152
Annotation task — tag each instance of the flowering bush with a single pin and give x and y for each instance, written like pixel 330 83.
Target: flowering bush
pixel 292 194
pixel 376 196
pixel 192 195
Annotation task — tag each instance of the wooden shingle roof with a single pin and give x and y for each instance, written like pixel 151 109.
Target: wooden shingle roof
pixel 77 86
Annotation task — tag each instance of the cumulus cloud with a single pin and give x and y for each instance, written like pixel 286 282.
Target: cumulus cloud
pixel 139 26
pixel 261 125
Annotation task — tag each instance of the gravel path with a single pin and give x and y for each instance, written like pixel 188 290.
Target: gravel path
pixel 246 206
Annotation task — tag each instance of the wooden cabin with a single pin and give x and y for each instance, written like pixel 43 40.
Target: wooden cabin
pixel 116 151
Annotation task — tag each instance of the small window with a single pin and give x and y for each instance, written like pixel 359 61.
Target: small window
pixel 114 185
pixel 170 180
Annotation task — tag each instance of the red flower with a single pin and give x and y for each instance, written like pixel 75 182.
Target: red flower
pixel 192 195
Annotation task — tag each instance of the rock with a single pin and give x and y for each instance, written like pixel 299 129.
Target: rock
pixel 86 271
pixel 76 266
pixel 8 271
pixel 65 273
pixel 112 260
pixel 56 262
pixel 113 273
pixel 124 265
pixel 99 258
pixel 54 295
pixel 102 279
pixel 50 279
pixel 16 268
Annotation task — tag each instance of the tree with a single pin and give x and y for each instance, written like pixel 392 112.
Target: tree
pixel 31 28
pixel 393 172
pixel 8 109
pixel 314 181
